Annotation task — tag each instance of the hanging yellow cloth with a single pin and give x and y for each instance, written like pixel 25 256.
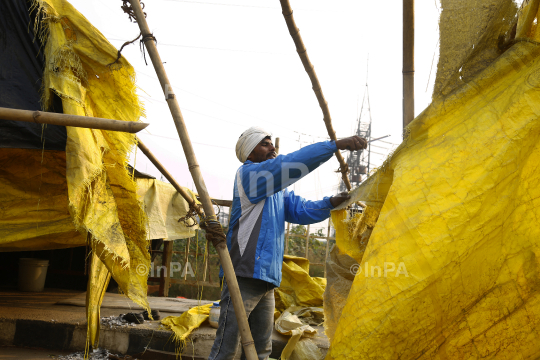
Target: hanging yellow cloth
pixel 458 228
pixel 102 196
pixel 164 206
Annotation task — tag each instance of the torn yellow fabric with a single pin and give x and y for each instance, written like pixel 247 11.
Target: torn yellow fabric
pixel 102 196
pixel 164 206
pixel 471 34
pixel 183 325
pixel 98 281
pixel 340 272
pixel 459 227
pixel 297 288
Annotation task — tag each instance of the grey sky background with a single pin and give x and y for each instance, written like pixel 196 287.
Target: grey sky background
pixel 233 65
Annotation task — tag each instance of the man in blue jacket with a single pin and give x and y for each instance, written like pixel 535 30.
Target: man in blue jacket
pixel 261 205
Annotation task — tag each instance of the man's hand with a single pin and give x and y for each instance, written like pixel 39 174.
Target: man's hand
pixel 340 198
pixel 352 143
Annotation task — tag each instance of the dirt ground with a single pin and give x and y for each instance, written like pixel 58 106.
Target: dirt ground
pixel 28 354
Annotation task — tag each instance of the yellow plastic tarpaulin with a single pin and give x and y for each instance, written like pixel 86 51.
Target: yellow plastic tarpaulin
pixel 183 325
pixel 81 67
pixel 297 288
pixel 35 206
pixel 459 208
pixel 164 206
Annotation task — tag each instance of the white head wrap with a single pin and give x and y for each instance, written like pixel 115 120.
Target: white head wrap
pixel 248 141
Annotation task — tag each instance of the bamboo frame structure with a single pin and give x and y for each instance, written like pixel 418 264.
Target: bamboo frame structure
pixel 408 62
pixel 302 52
pixel 42 117
pixel 146 151
pixel 232 283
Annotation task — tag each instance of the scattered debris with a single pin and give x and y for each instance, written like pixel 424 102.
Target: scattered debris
pixel 115 321
pixel 97 354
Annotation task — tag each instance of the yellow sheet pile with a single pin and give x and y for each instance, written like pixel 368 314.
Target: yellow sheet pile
pixel 452 267
pixel 297 288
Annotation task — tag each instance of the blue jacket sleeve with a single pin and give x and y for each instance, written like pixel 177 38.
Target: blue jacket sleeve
pixel 261 180
pixel 305 212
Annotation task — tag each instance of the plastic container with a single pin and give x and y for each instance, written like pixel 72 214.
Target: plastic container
pixel 214 315
pixel 32 274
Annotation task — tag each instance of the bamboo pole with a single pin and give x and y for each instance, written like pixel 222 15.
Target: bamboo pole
pixel 302 52
pixel 226 263
pixel 42 117
pixel 408 62
pixel 146 151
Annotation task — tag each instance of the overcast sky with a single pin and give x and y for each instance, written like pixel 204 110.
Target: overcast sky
pixel 233 65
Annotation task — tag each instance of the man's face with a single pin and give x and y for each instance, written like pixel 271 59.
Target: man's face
pixel 263 151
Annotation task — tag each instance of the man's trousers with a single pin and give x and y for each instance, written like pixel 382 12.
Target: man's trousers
pixel 259 302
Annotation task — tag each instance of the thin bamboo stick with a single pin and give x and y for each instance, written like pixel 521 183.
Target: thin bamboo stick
pixel 165 276
pixel 205 259
pixel 187 257
pixel 408 62
pixel 327 246
pixel 42 117
pixel 307 242
pixel 287 238
pixel 302 52
pixel 232 283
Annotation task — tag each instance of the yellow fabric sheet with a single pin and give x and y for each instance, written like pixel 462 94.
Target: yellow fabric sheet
pixel 471 32
pixel 164 206
pixel 297 288
pixel 34 212
pixel 460 203
pixel 183 325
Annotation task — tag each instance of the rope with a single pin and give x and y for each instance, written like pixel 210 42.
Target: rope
pixel 142 43
pixel 214 232
pixel 129 10
pixel 120 51
pixel 192 213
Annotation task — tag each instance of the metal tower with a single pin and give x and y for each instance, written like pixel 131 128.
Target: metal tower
pixel 359 161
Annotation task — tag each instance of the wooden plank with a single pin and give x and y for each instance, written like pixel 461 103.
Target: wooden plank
pixel 187 282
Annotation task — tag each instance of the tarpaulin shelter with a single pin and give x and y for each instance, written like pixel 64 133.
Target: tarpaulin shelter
pixel 64 186
pixel 449 247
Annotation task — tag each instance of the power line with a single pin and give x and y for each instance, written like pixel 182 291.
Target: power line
pixel 250 6
pixel 211 48
pixel 239 111
pixel 193 142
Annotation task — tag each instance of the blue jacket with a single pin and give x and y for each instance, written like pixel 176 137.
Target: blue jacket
pixel 262 204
